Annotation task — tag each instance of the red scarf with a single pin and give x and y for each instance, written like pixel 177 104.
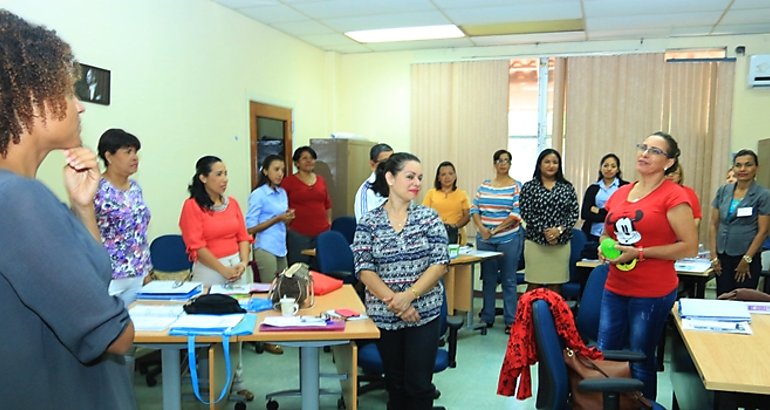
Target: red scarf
pixel 522 353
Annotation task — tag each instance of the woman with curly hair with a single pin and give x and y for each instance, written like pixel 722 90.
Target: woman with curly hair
pixel 62 332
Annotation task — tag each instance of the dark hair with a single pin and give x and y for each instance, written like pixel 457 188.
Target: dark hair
pixel 114 139
pixel 673 150
pixel 394 165
pixel 674 168
pixel 378 149
pixel 299 151
pixel 196 188
pixel 619 175
pixel 744 153
pixel 437 183
pixel 500 153
pixel 559 173
pixel 39 73
pixel 263 179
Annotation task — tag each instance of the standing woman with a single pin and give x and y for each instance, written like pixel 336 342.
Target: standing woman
pixel 740 216
pixel 400 253
pixel 549 207
pixel 214 231
pixel 122 215
pixel 495 212
pixel 64 337
pixel 676 174
pixel 597 194
pixel 651 220
pixel 450 203
pixel 309 198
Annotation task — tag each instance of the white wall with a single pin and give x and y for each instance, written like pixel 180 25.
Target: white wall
pixel 183 72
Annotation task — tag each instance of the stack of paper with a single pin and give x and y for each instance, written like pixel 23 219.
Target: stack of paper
pixel 212 323
pixel 154 317
pixel 288 323
pixel 724 316
pixel 169 290
pixel 694 265
pixel 230 289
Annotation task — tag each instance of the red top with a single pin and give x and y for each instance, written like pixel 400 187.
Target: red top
pixel 643 224
pixel 310 203
pixel 218 231
pixel 694 202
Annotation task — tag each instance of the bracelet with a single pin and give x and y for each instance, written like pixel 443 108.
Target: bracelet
pixel 414 292
pixel 641 254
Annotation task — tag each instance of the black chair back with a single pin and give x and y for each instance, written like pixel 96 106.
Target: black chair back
pixel 346 225
pixel 334 257
pixel 168 253
pixel 552 388
pixel 587 317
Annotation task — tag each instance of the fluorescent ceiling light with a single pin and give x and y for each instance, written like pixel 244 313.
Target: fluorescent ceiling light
pixel 387 35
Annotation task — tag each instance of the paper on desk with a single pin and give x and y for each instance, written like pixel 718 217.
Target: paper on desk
pixel 230 289
pixel 294 321
pixel 169 287
pixel 720 310
pixel 694 265
pixel 208 322
pixel 485 254
pixel 742 328
pixel 257 287
pixel 154 317
pixel 759 308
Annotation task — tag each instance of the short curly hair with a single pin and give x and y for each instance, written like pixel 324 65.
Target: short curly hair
pixel 37 72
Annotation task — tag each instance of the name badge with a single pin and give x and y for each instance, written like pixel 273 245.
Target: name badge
pixel 745 211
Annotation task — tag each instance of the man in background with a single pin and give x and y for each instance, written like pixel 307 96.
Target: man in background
pixel 366 199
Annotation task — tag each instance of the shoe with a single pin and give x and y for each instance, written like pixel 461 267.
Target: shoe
pixel 439 408
pixel 507 329
pixel 489 324
pixel 272 348
pixel 246 394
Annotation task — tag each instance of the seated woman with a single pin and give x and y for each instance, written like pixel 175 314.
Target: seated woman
pixel 592 211
pixel 450 203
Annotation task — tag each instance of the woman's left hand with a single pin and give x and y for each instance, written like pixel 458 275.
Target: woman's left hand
pixel 551 235
pixel 627 254
pixel 742 272
pixel 81 176
pixel 410 315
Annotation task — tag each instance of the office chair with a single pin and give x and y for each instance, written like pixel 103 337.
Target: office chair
pixel 346 225
pixel 571 289
pixel 334 257
pixel 587 317
pixel 553 389
pixel 370 362
pixel 168 254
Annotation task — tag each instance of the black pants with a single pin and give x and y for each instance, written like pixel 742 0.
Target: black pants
pixel 726 281
pixel 408 356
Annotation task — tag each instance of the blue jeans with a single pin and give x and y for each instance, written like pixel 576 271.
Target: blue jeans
pixel 500 270
pixel 636 324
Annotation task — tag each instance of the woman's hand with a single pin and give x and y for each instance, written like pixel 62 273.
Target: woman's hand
pixel 552 235
pixel 81 176
pixel 742 272
pixel 288 216
pixel 717 266
pixel 240 268
pixel 595 209
pixel 230 273
pixel 627 254
pixel 399 302
pixel 485 233
pixel 410 315
pixel 746 295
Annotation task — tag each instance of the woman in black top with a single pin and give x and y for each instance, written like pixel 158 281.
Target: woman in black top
pixel 592 211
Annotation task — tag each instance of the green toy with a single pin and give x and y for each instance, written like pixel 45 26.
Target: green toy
pixel 608 248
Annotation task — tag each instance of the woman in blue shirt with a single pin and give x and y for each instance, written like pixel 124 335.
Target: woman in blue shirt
pixel 400 253
pixel 495 212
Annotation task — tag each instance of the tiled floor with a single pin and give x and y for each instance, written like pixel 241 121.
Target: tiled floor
pixel 472 385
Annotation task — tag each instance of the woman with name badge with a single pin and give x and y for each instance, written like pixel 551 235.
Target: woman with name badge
pixel 740 216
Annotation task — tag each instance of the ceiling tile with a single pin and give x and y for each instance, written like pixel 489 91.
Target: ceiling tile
pixel 355 8
pixel 303 28
pixel 272 14
pixel 420 45
pixel 598 8
pixel 747 16
pixel 388 21
pixel 529 38
pixel 515 13
pixel 652 21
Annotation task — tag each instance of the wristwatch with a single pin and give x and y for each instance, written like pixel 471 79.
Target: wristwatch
pixel 747 258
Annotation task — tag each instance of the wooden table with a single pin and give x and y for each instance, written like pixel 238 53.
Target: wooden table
pixel 458 283
pixel 721 371
pixel 309 343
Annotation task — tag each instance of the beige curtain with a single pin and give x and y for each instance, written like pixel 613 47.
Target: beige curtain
pixel 613 102
pixel 459 114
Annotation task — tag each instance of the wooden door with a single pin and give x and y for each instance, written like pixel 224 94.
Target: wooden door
pixel 270 130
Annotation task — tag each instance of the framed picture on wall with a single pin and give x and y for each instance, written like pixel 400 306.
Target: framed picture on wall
pixel 94 85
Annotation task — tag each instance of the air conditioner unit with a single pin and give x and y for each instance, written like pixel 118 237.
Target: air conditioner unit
pixel 759 70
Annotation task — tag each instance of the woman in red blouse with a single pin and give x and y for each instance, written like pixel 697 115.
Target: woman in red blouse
pixel 309 198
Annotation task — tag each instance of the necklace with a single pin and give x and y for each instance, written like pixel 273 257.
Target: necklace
pixel 644 195
pixel 397 219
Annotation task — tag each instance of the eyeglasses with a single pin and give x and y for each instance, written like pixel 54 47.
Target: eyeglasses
pixel 652 150
pixel 502 161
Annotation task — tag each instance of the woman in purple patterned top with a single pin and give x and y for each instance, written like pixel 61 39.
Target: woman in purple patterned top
pixel 122 215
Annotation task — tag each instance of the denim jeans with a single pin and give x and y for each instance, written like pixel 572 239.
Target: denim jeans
pixel 636 324
pixel 500 270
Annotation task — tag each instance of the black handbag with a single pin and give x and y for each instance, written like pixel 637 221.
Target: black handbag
pixel 452 233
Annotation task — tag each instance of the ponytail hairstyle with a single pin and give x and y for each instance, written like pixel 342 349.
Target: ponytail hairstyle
pixel 394 165
pixel 673 151
pixel 196 188
pixel 263 179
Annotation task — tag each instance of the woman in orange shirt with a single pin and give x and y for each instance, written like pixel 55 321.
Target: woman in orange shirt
pixel 451 203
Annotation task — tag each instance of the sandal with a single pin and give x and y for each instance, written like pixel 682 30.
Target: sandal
pixel 246 394
pixel 507 329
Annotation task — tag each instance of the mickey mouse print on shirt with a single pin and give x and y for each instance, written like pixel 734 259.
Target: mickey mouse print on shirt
pixel 626 233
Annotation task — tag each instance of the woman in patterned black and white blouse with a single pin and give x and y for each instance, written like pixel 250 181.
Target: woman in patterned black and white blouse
pixel 549 207
pixel 400 253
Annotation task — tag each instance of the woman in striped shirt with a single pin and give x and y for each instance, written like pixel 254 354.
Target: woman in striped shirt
pixel 495 212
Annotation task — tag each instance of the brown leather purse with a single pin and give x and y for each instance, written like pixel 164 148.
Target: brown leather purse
pixel 580 367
